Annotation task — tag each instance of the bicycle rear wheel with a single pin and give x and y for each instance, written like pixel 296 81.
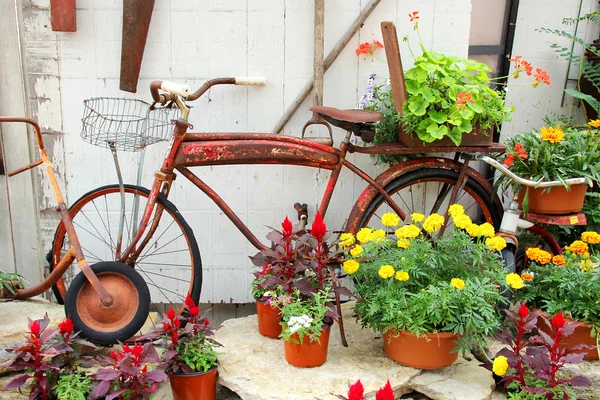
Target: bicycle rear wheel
pixel 169 263
pixel 428 191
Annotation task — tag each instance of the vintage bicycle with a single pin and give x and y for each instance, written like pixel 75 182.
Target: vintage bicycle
pixel 133 247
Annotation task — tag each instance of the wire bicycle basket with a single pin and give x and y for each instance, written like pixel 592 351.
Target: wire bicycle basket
pixel 126 124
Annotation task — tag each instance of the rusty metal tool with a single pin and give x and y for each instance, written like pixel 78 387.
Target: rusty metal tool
pixel 63 15
pixel 136 21
pixel 318 74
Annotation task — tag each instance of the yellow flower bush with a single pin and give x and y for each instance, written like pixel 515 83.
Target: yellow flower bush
pixel 356 250
pixel 487 230
pixel 559 260
pixel 595 123
pixel 350 266
pixel 591 237
pixel 500 365
pixel 457 283
pixel 538 255
pixel 408 231
pixel 578 247
pixel 346 239
pixel 364 235
pixel 390 219
pixel 552 134
pixel 402 276
pixel 433 223
pixel 462 221
pixel 403 243
pixel 456 209
pixel 473 230
pixel 514 281
pixel 378 235
pixel 386 271
pixel 417 217
pixel 495 243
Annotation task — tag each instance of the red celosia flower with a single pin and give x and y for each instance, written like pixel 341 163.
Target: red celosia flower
pixel 509 160
pixel 34 328
pixel 171 313
pixel 126 349
pixel 356 391
pixel 541 76
pixel 66 327
pixel 189 302
pixel 165 327
pixel 558 321
pixel 523 311
pixel 206 322
pixel 413 16
pixel 318 228
pixel 194 311
pixel 287 227
pixel 385 393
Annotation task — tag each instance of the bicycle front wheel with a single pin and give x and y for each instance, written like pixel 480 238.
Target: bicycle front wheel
pixel 428 191
pixel 169 262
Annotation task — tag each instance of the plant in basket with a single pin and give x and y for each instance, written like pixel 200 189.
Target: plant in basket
pixel 554 153
pixel 567 283
pixel 429 294
pixel 296 263
pixel 51 360
pixel 530 365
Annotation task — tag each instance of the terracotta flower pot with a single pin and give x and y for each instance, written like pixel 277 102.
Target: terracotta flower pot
pixel 307 354
pixel 581 335
pixel 268 320
pixel 431 351
pixel 558 201
pixel 194 386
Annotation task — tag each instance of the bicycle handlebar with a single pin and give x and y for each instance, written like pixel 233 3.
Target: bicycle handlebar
pixel 525 182
pixel 175 89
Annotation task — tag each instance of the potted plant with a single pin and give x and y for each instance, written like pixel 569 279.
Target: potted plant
pixel 570 284
pixel 51 359
pixel 190 359
pixel 429 294
pixel 306 326
pixel 9 282
pixel 553 153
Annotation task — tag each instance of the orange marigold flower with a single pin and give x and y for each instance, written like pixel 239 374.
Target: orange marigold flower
pixel 413 16
pixel 552 134
pixel 559 260
pixel 590 237
pixel 527 276
pixel 538 255
pixel 594 123
pixel 578 247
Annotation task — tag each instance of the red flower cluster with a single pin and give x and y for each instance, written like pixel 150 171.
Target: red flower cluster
pixel 192 309
pixel 541 76
pixel 464 98
pixel 521 65
pixel 357 392
pixel 172 324
pixel 414 16
pixel 287 227
pixel 523 311
pixel 135 351
pixel 66 328
pixel 368 49
pixel 558 321
pixel 34 328
pixel 519 152
pixel 318 229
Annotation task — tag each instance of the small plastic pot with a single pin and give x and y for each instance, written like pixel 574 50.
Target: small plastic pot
pixel 308 354
pixel 268 320
pixel 194 386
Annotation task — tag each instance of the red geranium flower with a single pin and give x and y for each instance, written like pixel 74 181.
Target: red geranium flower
pixel 413 16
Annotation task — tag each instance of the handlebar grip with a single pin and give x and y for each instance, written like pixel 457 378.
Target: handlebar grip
pixel 250 81
pixel 175 88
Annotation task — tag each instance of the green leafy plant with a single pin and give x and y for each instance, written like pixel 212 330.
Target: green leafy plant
pixel 73 387
pixel 569 283
pixel 306 316
pixel 419 281
pixel 10 281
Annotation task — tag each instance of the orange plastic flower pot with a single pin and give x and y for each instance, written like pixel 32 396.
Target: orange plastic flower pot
pixel 431 351
pixel 307 354
pixel 194 386
pixel 558 201
pixel 268 320
pixel 581 335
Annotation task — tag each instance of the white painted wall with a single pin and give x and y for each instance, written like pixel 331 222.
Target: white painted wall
pixel 190 41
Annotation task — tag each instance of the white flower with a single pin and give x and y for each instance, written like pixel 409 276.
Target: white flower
pixel 370 96
pixel 267 293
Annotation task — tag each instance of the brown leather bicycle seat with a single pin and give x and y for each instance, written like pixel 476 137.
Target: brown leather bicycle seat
pixel 355 116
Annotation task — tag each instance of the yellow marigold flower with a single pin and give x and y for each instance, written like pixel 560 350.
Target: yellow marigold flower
pixel 500 365
pixel 552 134
pixel 433 223
pixel 591 237
pixel 346 239
pixel 386 271
pixel 350 266
pixel 587 265
pixel 356 250
pixel 461 220
pixel 403 243
pixel 473 230
pixel 559 260
pixel 390 219
pixel 594 123
pixel 402 276
pixel 538 255
pixel 527 276
pixel 364 235
pixel 408 231
pixel 495 243
pixel 578 247
pixel 378 235
pixel 457 283
pixel 455 210
pixel 417 217
pixel 514 281
pixel 486 229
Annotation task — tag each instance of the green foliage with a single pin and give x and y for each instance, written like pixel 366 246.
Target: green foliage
pixel 305 316
pixel 197 352
pixel 438 283
pixel 72 387
pixel 437 106
pixel 8 280
pixel 587 69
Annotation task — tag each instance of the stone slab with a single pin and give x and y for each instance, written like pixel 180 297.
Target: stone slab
pixel 463 380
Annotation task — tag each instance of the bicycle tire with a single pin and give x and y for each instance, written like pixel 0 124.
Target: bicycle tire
pixel 480 196
pixel 192 280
